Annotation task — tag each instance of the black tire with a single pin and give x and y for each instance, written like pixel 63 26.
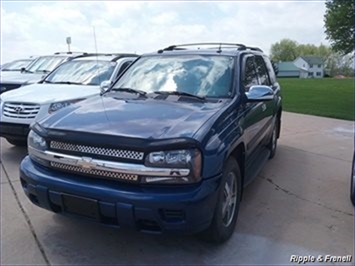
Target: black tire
pixel 17 142
pixel 222 226
pixel 352 183
pixel 273 141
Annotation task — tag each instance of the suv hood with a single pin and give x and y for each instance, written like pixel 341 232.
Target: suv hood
pixel 21 78
pixel 144 118
pixel 49 93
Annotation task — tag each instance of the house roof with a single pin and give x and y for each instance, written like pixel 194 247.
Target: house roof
pixel 287 66
pixel 313 60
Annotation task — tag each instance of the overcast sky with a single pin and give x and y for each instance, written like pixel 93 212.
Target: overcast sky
pixel 36 28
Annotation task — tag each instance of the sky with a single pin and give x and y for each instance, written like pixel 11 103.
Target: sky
pixel 41 27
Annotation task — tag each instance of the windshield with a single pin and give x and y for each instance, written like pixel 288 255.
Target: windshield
pixel 200 75
pixel 46 63
pixel 87 72
pixel 16 65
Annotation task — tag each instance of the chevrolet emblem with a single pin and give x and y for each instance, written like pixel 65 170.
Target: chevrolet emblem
pixel 86 163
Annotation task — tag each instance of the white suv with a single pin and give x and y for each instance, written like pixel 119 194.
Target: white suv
pixel 35 71
pixel 69 83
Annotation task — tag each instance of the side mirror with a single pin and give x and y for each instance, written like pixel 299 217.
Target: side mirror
pixel 260 93
pixel 23 69
pixel 105 85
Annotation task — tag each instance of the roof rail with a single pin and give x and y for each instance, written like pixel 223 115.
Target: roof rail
pixel 73 53
pixel 219 44
pixel 254 49
pixel 116 55
pixel 215 45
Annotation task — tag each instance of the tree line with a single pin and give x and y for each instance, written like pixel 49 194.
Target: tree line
pixel 335 62
pixel 339 23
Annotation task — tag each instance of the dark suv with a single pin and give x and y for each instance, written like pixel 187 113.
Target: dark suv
pixel 168 147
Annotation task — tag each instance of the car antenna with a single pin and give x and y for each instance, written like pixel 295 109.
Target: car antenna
pixel 219 48
pixel 97 59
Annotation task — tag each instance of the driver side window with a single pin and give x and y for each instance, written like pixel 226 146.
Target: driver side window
pixel 250 78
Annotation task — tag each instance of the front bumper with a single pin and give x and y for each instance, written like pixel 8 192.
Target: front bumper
pixel 157 209
pixel 14 131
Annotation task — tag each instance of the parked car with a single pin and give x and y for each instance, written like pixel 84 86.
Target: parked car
pixel 71 82
pixel 168 148
pixel 35 72
pixel 352 182
pixel 16 65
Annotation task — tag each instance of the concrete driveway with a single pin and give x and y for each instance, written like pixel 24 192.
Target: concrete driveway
pixel 299 205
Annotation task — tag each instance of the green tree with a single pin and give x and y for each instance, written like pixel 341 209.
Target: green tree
pixel 339 23
pixel 285 50
pixel 289 50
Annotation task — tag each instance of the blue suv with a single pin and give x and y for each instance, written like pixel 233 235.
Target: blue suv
pixel 168 147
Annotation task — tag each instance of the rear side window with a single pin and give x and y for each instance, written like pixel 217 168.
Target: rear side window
pixel 270 69
pixel 250 78
pixel 262 71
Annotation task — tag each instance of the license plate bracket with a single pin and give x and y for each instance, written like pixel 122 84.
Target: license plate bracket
pixel 81 206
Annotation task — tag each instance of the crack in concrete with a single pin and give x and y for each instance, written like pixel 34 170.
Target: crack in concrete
pixel 304 199
pixel 27 218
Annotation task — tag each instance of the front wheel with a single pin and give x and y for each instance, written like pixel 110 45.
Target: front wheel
pixel 273 141
pixel 352 183
pixel 226 211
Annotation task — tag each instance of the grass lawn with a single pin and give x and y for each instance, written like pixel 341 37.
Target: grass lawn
pixel 323 97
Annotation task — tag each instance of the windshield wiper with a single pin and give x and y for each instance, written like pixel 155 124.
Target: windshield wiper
pixel 43 71
pixel 64 82
pixel 180 93
pixel 26 70
pixel 129 90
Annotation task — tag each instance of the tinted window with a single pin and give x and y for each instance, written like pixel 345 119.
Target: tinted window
pixel 250 78
pixel 201 75
pixel 262 71
pixel 270 69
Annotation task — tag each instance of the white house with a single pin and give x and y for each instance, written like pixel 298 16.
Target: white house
pixel 311 66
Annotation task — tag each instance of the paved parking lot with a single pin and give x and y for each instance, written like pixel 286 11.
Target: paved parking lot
pixel 298 205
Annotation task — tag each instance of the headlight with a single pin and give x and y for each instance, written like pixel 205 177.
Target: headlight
pixel 59 105
pixel 175 159
pixel 36 143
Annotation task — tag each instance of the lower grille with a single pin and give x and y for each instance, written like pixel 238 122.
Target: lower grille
pixel 21 110
pixel 94 172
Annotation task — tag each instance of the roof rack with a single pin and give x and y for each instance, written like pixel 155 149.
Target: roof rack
pixel 219 46
pixel 116 55
pixel 73 53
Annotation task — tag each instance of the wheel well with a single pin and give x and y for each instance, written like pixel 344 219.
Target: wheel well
pixel 239 155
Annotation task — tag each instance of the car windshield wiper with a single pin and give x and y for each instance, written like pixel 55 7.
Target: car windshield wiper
pixel 64 82
pixel 129 90
pixel 180 93
pixel 43 71
pixel 26 70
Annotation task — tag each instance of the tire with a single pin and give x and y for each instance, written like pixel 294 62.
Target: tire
pixel 223 222
pixel 273 141
pixel 17 142
pixel 352 184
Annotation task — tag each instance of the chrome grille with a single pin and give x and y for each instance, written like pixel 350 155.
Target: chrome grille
pixel 94 172
pixel 21 110
pixel 118 153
